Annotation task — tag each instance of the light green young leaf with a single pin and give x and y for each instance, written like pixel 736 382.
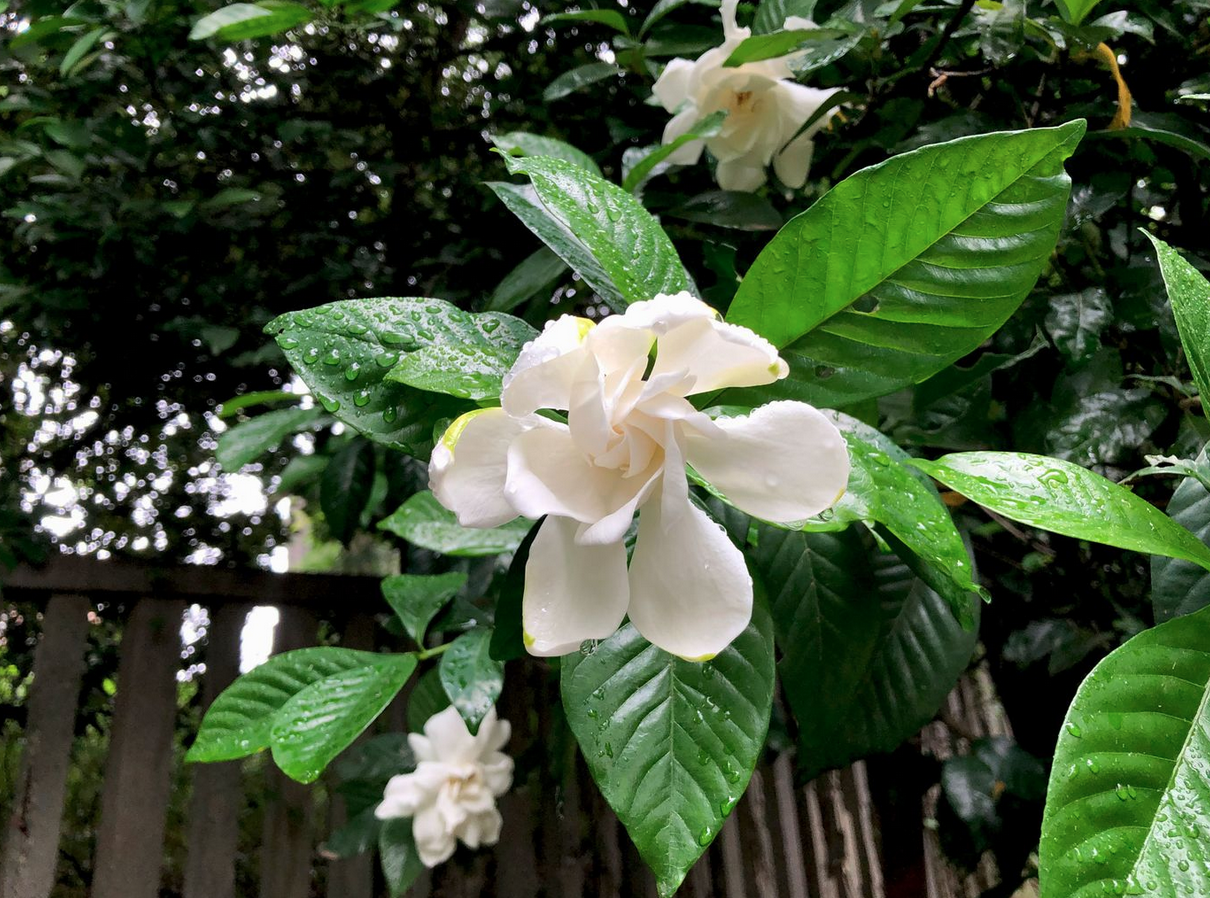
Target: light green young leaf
pixel 248 440
pixel 416 598
pixel 424 522
pixel 241 21
pixel 1064 498
pixel 707 127
pixel 77 51
pixel 321 720
pixel 239 721
pixel 470 677
pixel 671 743
pixel 779 43
pixel 630 257
pixel 905 267
pixel 1189 293
pixel 522 143
pixel 1126 808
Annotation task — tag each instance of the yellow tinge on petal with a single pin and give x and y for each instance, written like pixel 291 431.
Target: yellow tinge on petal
pixel 449 439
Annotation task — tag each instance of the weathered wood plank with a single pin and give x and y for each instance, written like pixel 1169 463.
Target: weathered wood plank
pixel 134 798
pixel 218 795
pixel 31 838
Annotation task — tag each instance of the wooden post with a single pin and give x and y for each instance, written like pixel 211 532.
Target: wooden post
pixel 217 798
pixel 351 877
pixel 31 839
pixel 288 842
pixel 134 798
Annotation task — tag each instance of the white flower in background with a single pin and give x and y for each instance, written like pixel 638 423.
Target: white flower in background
pixel 765 109
pixel 452 793
pixel 630 432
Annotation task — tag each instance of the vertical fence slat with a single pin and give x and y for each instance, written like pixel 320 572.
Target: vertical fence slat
pixel 217 797
pixel 134 797
pixel 31 839
pixel 288 842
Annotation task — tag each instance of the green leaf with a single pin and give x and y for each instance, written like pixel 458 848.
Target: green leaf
pixel 1075 322
pixel 356 837
pixel 905 267
pixel 471 677
pixel 241 21
pixel 522 143
pixel 869 652
pixel 1166 128
pixel 707 127
pixel 730 209
pixel 1189 293
pixel 779 43
pixel 345 486
pixel 1075 11
pixel 239 721
pixel 343 352
pixel 586 218
pixel 236 403
pixel 231 196
pixel 1178 587
pixel 424 522
pixel 508 632
pixel 664 7
pixel 579 78
pixel 535 273
pixel 771 14
pixel 610 17
pixel 671 743
pixel 401 864
pixel 301 470
pixel 80 48
pixel 247 441
pixel 416 598
pixel 1128 805
pixel 1063 498
pixel 321 720
pixel 426 700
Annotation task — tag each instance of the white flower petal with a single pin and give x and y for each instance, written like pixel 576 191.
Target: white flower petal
pixel 740 174
pixel 434 843
pixel 784 462
pixel 451 740
pixel 690 591
pixel 672 87
pixel 549 474
pixel 572 592
pixel 543 373
pixel 493 734
pixel 498 773
pixel 468 466
pixel 796 103
pixel 793 162
pixel 405 793
pixel 718 354
pixel 658 315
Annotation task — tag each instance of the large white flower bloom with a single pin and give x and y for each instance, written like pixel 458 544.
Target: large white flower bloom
pixel 452 793
pixel 765 109
pixel 630 432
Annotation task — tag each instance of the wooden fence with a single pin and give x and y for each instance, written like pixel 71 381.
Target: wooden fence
pixel 822 840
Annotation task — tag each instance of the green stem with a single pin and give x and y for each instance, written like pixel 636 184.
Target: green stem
pixel 425 654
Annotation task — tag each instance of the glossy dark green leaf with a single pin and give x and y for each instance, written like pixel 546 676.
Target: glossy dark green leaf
pixel 471 677
pixel 426 700
pixel 707 127
pixel 323 718
pixel 1056 495
pixel 508 632
pixel 1128 805
pixel 376 759
pixel 778 43
pixel 424 522
pixel 609 17
pixel 239 721
pixel 1189 293
pixel 905 267
pixel 869 652
pixel 730 209
pixel 401 864
pixel 1179 587
pixel 470 364
pixel 357 836
pixel 1075 11
pixel 663 8
pixel 625 243
pixel 343 352
pixel 522 143
pixel 345 488
pixel 416 598
pixel 247 441
pixel 579 78
pixel 771 15
pixel 671 743
pixel 1075 322
pixel 241 21
pixel 1166 128
pixel 533 275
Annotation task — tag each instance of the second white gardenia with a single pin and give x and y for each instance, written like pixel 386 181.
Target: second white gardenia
pixel 765 111
pixel 630 432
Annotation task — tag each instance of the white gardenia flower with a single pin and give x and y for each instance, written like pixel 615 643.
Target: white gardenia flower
pixel 630 432
pixel 765 109
pixel 452 793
